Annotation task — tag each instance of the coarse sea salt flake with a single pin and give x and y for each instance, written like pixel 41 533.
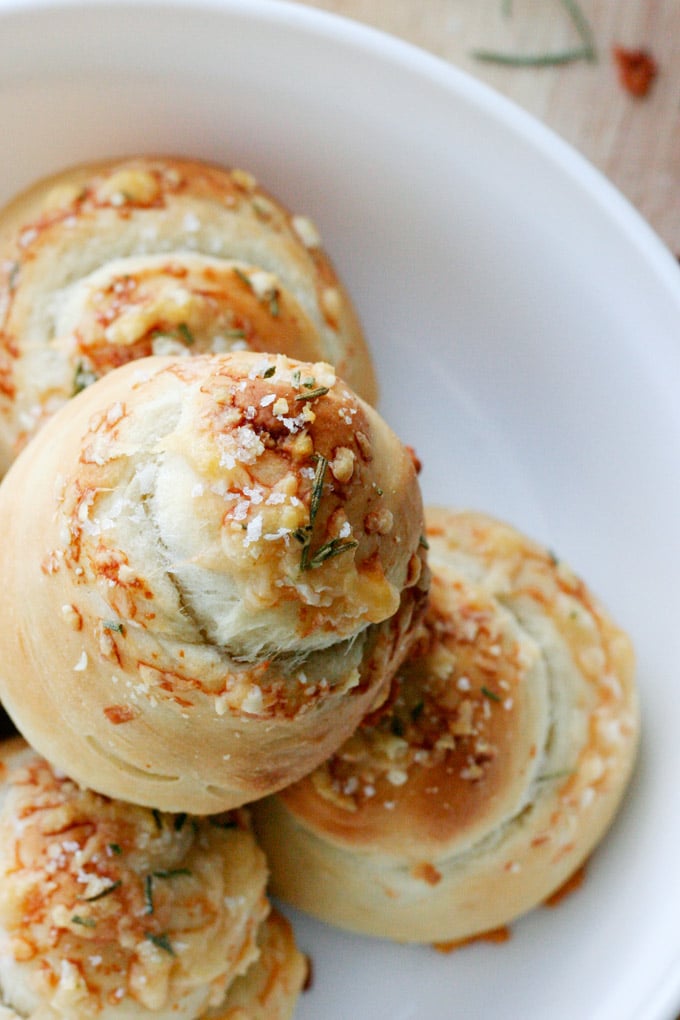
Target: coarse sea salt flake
pixel 81 664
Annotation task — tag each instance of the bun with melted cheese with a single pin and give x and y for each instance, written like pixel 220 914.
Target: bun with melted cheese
pixel 270 987
pixel 491 773
pixel 116 912
pixel 108 262
pixel 213 567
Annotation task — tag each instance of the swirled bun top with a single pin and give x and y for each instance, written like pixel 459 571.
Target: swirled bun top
pixel 113 911
pixel 494 769
pixel 222 539
pixel 270 988
pixel 108 262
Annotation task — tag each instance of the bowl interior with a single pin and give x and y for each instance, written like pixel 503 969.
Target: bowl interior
pixel 524 324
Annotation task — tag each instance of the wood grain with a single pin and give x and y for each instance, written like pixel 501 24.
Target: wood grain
pixel 634 142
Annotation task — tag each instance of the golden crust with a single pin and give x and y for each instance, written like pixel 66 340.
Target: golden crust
pixel 270 988
pixel 226 574
pixel 112 261
pixel 111 910
pixel 492 772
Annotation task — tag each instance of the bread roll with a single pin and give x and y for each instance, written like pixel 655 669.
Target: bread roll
pixel 211 568
pixel 493 771
pixel 112 261
pixel 270 987
pixel 118 912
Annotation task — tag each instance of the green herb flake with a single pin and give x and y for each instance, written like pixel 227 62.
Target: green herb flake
pixel 113 625
pixel 185 334
pixel 115 849
pixel 320 391
pixel 423 542
pixel 85 922
pixel 243 277
pixel 328 551
pixel 105 892
pixel 170 873
pixel 317 487
pixel 161 942
pixel 82 378
pixel 148 894
pixel 586 51
pixel 269 372
pixel 491 695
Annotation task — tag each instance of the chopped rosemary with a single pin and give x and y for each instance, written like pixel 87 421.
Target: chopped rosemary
pixel 170 873
pixel 422 541
pixel 335 547
pixel 86 922
pixel 105 892
pixel 82 378
pixel 113 625
pixel 586 51
pixel 243 277
pixel 148 894
pixel 320 391
pixel 317 487
pixel 303 534
pixel 548 777
pixel 491 695
pixel 186 334
pixel 532 59
pixel 269 372
pixel 161 941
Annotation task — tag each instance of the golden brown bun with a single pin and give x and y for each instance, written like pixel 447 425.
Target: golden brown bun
pixel 118 912
pixel 210 573
pixel 112 261
pixel 494 770
pixel 270 987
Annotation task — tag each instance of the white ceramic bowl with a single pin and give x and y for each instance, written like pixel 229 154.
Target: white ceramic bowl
pixel 525 324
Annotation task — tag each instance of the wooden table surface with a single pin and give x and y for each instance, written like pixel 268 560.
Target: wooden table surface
pixel 634 141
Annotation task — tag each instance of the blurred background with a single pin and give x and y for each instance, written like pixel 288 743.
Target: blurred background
pixel 604 74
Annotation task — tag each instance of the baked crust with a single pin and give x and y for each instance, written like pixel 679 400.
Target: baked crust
pixel 111 261
pixel 109 910
pixel 491 773
pixel 216 566
pixel 270 988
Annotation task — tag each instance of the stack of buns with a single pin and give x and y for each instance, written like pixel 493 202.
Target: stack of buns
pixel 222 601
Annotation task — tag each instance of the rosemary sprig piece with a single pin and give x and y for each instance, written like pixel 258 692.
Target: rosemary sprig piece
pixel 105 892
pixel 328 550
pixel 320 391
pixel 86 922
pixel 586 51
pixel 532 59
pixel 161 942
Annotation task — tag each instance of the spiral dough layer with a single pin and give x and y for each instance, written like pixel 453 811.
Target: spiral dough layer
pixel 493 770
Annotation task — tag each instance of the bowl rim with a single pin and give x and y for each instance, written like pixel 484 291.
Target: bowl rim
pixel 351 35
